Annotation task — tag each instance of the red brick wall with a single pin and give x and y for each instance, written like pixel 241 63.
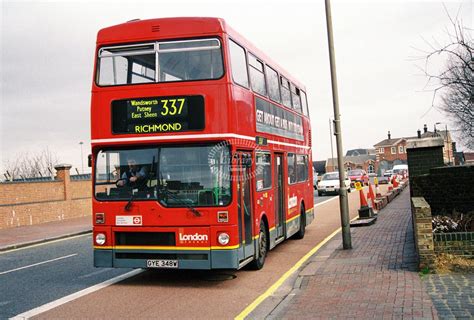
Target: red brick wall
pixel 81 189
pixel 27 192
pixel 27 203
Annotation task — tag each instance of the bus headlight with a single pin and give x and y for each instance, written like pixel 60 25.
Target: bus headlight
pixel 100 239
pixel 223 238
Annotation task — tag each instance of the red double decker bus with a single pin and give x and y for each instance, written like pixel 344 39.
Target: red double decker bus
pixel 201 148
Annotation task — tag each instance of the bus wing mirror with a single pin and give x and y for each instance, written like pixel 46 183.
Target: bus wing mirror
pixel 89 161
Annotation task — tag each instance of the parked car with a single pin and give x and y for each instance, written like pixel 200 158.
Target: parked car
pixel 386 177
pixel 388 173
pixel 315 180
pixel 358 175
pixel 383 179
pixel 330 183
pixel 400 169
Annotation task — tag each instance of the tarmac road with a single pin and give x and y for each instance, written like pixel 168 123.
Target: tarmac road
pixel 55 270
pixel 33 276
pixel 200 295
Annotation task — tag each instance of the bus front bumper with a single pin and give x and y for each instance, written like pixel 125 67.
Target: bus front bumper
pixel 186 259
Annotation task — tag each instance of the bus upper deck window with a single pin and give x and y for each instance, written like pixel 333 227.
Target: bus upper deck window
pixel 199 59
pixel 126 65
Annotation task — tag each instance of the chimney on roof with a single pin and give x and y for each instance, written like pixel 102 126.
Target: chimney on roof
pixel 419 133
pixel 389 135
pixel 425 128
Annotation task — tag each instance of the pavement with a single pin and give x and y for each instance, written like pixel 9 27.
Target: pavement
pixel 452 294
pixel 13 238
pixel 377 278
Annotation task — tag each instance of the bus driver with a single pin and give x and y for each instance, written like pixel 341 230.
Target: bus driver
pixel 135 176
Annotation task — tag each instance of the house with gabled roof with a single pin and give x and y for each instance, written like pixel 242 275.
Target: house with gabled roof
pixel 392 151
pixel 365 162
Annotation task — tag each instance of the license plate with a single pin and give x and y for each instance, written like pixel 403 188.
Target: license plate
pixel 330 189
pixel 162 264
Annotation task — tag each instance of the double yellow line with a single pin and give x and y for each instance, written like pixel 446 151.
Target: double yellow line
pixel 283 278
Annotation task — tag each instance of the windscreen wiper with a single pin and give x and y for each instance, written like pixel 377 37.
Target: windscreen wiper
pixel 129 203
pixel 172 196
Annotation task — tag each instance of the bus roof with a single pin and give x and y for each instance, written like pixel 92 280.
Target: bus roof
pixel 149 30
pixel 184 27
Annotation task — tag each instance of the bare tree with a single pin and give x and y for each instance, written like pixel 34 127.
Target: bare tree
pixel 26 165
pixel 454 83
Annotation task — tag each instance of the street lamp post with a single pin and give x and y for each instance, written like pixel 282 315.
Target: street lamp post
pixel 330 139
pixel 343 201
pixel 82 160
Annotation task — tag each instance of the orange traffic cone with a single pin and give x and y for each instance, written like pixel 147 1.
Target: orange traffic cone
pixel 371 193
pixel 395 183
pixel 365 211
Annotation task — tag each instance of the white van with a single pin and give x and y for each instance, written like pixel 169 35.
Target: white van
pixel 400 169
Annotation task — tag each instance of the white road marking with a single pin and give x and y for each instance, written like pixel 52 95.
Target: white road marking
pixel 4 303
pixel 94 273
pixel 74 296
pixel 37 264
pixel 321 203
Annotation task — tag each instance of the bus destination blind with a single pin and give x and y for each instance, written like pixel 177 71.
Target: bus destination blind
pixel 157 115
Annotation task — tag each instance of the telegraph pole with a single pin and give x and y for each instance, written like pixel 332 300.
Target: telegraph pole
pixel 344 206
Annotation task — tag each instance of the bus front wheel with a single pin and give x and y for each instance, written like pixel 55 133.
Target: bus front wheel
pixel 262 248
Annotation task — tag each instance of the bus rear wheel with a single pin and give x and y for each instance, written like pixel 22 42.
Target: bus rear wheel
pixel 262 248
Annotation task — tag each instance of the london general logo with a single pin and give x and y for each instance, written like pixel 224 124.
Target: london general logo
pixel 189 237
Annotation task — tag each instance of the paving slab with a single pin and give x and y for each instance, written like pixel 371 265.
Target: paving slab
pixel 376 279
pixel 12 238
pixel 452 294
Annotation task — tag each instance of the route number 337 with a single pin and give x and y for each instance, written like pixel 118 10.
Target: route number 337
pixel 172 107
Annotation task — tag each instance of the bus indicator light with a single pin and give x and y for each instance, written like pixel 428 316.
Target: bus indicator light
pixel 222 216
pixel 99 218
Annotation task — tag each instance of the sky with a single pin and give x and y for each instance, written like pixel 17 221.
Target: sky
pixel 47 52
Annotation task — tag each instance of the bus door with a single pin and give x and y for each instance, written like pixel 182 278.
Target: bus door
pixel 244 202
pixel 279 195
